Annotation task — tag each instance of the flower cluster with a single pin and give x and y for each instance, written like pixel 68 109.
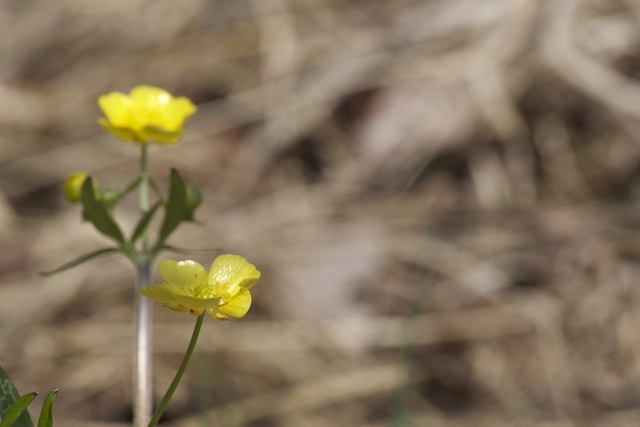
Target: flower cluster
pixel 152 115
pixel 222 292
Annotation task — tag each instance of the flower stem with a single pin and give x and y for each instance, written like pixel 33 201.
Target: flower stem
pixel 144 188
pixel 178 377
pixel 142 379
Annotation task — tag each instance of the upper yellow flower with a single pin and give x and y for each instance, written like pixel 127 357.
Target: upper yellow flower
pixel 223 292
pixel 147 114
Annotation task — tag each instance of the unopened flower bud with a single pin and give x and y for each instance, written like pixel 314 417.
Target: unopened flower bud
pixel 194 197
pixel 73 186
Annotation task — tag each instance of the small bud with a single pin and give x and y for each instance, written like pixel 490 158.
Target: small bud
pixel 108 197
pixel 194 197
pixel 73 186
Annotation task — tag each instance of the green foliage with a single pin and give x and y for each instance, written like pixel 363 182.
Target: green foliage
pixel 179 206
pixel 46 414
pixel 13 409
pixel 16 410
pixel 135 184
pixel 97 213
pixel 194 198
pixel 81 259
pixel 8 398
pixel 176 209
pixel 144 223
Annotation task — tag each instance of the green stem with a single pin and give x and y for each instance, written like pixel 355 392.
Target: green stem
pixel 142 370
pixel 178 377
pixel 144 192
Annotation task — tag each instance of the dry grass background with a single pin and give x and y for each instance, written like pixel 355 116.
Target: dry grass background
pixel 442 196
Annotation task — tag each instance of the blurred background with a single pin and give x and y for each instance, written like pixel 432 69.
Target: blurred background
pixel 442 196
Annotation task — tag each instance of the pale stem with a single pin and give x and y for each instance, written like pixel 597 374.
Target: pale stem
pixel 142 379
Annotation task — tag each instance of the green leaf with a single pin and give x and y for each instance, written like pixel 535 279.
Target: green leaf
pixel 144 223
pixel 46 415
pixel 97 214
pixel 155 189
pixel 176 209
pixel 194 199
pixel 8 396
pixel 80 260
pixel 17 409
pixel 130 188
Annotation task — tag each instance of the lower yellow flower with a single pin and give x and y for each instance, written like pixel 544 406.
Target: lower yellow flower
pixel 222 292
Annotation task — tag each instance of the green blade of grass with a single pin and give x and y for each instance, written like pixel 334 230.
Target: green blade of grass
pixel 46 415
pixel 8 396
pixel 18 408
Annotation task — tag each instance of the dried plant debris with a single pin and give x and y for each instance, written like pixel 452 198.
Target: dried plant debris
pixel 450 186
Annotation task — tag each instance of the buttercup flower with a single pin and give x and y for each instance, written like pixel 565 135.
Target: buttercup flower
pixel 223 292
pixel 147 114
pixel 72 188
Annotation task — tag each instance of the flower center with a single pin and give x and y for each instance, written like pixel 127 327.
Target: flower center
pixel 200 290
pixel 224 291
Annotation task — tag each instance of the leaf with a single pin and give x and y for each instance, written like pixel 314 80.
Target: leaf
pixel 46 415
pixel 144 222
pixel 81 259
pixel 97 214
pixel 8 396
pixel 176 209
pixel 130 188
pixel 156 190
pixel 16 410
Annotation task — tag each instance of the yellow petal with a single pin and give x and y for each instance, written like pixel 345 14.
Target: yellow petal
pixel 176 307
pixel 117 107
pixel 150 97
pixel 183 106
pixel 160 293
pixel 187 273
pixel 174 298
pixel 160 135
pixel 122 132
pixel 176 113
pixel 238 305
pixel 193 303
pixel 232 271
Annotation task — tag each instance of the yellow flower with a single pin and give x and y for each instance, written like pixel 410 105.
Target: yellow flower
pixel 73 186
pixel 147 114
pixel 223 292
